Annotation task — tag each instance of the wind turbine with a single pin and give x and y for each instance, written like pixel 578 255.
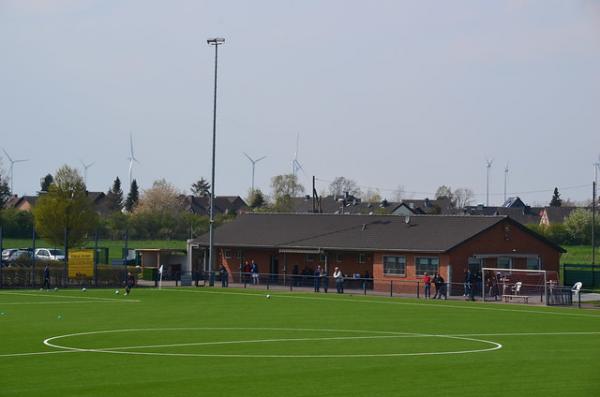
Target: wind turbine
pixel 296 166
pixel 85 168
pixel 12 163
pixel 488 165
pixel 253 165
pixel 505 180
pixel 131 158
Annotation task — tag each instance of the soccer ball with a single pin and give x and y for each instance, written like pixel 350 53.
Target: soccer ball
pixel 55 288
pixel 117 291
pixel 268 296
pixel 83 289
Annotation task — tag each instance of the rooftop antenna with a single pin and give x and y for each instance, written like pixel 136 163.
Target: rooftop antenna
pixel 131 159
pixel 488 164
pixel 12 163
pixel 253 165
pixel 296 166
pixel 85 168
pixel 505 180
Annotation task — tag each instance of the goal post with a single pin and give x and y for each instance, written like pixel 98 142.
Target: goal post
pixel 525 284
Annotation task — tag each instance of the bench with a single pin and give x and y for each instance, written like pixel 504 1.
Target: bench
pixel 508 298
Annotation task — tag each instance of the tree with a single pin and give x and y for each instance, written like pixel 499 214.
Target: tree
pixel 162 197
pixel 133 196
pixel 115 196
pixel 284 188
pixel 256 199
pixel 65 210
pixel 462 197
pixel 341 185
pixel 444 191
pixel 201 188
pixel 372 196
pixel 556 201
pixel 45 183
pixel 399 193
pixel 4 187
pixel 578 225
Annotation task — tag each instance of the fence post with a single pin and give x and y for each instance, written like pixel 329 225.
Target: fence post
pixel 417 289
pixel 364 286
pixel 391 287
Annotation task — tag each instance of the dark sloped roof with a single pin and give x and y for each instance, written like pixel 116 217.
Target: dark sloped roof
pixel 350 232
pixel 558 214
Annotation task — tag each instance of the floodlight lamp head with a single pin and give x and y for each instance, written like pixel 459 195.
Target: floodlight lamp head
pixel 215 41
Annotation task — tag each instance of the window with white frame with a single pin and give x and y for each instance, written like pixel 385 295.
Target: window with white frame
pixel 362 258
pixel 323 258
pixel 504 262
pixel 310 257
pixel 227 254
pixel 338 258
pixel 394 265
pixel 430 265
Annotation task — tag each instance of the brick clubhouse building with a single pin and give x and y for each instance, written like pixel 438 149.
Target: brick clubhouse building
pixel 387 247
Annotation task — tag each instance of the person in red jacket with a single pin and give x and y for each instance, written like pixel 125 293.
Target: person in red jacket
pixel 427 289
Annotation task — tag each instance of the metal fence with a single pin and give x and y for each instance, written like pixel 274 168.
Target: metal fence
pixel 589 275
pixel 32 276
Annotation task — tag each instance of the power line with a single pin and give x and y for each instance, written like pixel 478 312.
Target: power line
pixel 562 188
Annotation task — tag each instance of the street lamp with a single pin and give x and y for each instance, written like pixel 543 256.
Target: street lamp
pixel 216 42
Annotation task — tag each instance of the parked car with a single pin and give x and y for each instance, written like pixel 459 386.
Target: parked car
pixel 7 253
pixel 16 254
pixel 49 254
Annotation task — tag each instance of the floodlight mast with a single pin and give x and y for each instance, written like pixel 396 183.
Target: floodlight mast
pixel 216 42
pixel 487 188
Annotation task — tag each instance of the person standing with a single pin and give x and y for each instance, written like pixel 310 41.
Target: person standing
pixel 339 280
pixel 129 283
pixel 467 282
pixel 325 282
pixel 246 272
pixel 436 282
pixel 441 287
pixel 317 278
pixel 427 289
pixel 254 271
pixel 46 277
pixel 224 277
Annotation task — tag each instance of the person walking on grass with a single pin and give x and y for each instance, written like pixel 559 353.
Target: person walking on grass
pixel 46 277
pixel 129 283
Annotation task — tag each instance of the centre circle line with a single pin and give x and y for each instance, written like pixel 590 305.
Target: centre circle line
pixel 50 342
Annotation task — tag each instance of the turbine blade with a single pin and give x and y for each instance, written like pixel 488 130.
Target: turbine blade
pixel 7 155
pixel 249 158
pixel 262 158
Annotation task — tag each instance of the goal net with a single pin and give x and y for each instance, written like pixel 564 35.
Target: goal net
pixel 497 283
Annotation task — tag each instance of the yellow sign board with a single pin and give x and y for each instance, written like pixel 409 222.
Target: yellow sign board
pixel 81 263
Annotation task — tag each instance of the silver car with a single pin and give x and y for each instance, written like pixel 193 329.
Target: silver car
pixel 49 254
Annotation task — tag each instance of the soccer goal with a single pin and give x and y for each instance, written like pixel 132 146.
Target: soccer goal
pixel 517 285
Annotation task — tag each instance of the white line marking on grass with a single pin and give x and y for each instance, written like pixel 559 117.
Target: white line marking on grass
pixel 60 302
pixel 475 306
pixel 35 353
pixel 94 298
pixel 119 350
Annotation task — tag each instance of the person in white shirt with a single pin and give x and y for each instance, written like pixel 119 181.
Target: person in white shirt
pixel 339 280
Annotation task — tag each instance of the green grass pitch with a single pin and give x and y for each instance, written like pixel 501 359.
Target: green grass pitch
pixel 214 342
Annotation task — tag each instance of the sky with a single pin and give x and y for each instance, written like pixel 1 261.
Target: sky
pixel 390 94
